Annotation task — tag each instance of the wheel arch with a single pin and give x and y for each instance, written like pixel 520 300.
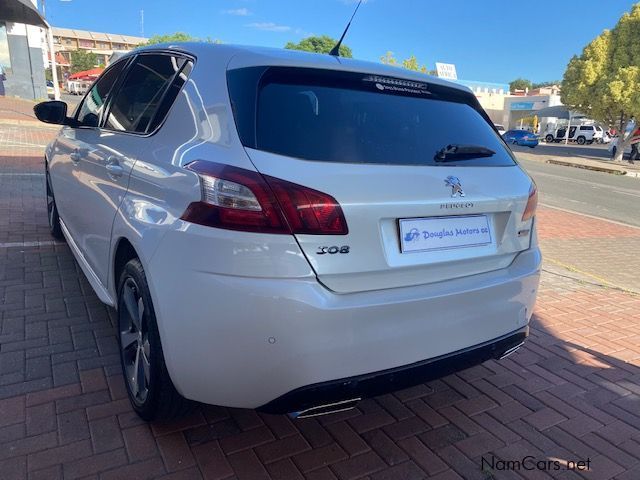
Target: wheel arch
pixel 124 252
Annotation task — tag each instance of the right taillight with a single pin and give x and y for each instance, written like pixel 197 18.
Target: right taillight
pixel 308 211
pixel 238 199
pixel 532 203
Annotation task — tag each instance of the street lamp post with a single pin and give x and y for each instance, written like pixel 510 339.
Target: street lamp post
pixel 52 54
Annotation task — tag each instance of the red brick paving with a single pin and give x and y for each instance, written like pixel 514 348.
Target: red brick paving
pixel 572 393
pixel 560 225
pixel 12 109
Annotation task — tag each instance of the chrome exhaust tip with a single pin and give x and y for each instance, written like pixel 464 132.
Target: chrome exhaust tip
pixel 326 409
pixel 508 352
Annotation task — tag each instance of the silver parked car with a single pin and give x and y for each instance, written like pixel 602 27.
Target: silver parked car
pixel 291 231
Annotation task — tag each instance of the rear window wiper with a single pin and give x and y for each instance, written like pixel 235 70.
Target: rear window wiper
pixel 462 152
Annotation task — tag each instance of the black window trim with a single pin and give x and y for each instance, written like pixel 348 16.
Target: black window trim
pixel 171 53
pixel 115 86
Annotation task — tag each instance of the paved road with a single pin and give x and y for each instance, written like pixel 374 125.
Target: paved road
pixel 601 194
pixel 594 151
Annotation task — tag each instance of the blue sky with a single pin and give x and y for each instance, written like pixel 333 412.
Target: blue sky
pixel 488 40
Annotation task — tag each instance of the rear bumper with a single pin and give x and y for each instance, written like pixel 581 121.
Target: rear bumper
pixel 378 383
pixel 245 342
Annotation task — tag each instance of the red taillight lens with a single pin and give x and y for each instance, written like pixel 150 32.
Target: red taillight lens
pixel 234 199
pixel 238 199
pixel 307 210
pixel 532 203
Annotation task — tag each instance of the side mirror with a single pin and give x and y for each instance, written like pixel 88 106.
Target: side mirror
pixel 54 111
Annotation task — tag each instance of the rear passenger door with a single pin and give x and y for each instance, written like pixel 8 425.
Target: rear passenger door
pixel 74 146
pixel 133 113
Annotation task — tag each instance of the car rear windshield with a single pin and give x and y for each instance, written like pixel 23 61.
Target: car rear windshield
pixel 329 116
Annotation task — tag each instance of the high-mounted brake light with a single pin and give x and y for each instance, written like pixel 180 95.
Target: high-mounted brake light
pixel 238 199
pixel 532 203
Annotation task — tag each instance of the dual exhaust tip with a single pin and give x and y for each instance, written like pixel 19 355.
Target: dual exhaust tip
pixel 345 405
pixel 326 409
pixel 510 351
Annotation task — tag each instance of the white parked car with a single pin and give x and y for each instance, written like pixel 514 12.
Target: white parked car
pixel 283 231
pixel 78 87
pixel 599 135
pixel 500 128
pixel 580 134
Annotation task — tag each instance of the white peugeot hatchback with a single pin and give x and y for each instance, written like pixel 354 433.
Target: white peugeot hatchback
pixel 290 231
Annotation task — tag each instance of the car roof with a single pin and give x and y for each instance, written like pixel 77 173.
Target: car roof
pixel 258 56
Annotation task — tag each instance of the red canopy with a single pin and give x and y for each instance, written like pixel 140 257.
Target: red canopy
pixel 60 60
pixel 87 74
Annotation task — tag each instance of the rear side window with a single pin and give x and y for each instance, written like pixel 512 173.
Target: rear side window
pixel 94 102
pixel 143 93
pixel 586 128
pixel 329 116
pixel 172 93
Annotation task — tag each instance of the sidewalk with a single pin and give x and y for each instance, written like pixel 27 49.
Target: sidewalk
pixel 18 112
pixel 596 164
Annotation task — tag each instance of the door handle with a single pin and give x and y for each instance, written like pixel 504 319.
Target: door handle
pixel 78 154
pixel 113 167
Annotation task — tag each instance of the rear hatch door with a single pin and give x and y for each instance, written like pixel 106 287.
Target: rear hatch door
pixel 372 143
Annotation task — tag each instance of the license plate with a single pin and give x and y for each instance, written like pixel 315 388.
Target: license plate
pixel 440 233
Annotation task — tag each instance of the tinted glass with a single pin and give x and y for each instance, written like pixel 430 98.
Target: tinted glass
pixel 142 92
pixel 93 103
pixel 170 96
pixel 352 118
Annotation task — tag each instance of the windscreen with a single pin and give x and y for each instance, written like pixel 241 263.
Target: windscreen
pixel 356 118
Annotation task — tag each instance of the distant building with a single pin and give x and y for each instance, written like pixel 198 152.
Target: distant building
pixel 548 90
pixel 519 111
pixel 67 40
pixel 21 66
pixel 490 95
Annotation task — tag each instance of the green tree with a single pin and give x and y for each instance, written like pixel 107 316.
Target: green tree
pixel 177 37
pixel 520 84
pixel 604 81
pixel 82 60
pixel 389 59
pixel 548 83
pixel 319 44
pixel 410 63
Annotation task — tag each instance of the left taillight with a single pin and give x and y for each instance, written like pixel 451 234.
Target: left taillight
pixel 238 199
pixel 532 203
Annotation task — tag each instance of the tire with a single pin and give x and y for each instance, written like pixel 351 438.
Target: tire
pixel 153 397
pixel 581 140
pixel 548 138
pixel 52 211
